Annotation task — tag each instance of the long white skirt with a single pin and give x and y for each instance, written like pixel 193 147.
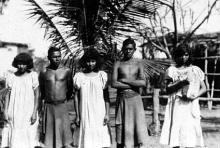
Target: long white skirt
pixel 182 124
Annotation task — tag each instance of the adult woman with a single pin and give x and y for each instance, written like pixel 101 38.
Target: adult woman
pixel 21 109
pixel 92 107
pixel 182 116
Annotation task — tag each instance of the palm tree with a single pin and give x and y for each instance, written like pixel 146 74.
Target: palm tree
pixel 73 25
pixel 80 23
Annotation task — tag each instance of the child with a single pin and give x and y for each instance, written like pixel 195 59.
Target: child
pixel 92 108
pixel 21 108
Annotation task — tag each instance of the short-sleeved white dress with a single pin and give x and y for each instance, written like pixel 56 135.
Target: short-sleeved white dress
pixel 20 133
pixel 93 134
pixel 182 118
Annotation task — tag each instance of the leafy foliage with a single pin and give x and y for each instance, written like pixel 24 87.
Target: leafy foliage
pixel 76 25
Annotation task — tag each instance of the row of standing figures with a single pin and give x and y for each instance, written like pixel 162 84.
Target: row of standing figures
pixel 27 90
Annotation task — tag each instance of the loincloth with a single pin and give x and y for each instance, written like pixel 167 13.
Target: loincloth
pixel 56 124
pixel 131 128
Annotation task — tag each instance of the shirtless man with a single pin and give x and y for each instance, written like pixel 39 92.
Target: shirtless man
pixel 128 77
pixel 56 87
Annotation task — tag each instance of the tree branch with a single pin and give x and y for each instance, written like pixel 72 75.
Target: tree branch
pixel 204 19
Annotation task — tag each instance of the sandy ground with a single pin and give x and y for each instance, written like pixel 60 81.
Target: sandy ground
pixel 210 126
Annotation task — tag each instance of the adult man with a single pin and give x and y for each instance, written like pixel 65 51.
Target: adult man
pixel 128 77
pixel 56 87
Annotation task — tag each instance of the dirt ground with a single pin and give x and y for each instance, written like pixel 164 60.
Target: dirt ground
pixel 210 125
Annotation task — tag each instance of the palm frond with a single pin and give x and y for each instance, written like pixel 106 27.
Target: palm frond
pixel 47 23
pixel 75 25
pixel 154 67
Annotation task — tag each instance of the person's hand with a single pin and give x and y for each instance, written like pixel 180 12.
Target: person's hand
pixel 33 118
pixel 77 121
pixel 106 120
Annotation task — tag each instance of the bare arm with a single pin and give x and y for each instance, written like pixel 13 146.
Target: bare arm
pixel 140 82
pixel 202 90
pixel 76 106
pixel 107 106
pixel 36 103
pixel 36 99
pixel 41 93
pixel 69 85
pixel 175 86
pixel 115 82
pixel 42 86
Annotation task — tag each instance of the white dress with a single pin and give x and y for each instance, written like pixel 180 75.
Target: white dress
pixel 93 134
pixel 19 133
pixel 182 118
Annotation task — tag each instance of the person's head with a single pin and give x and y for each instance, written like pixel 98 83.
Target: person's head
pixel 23 62
pixel 128 48
pixel 54 56
pixel 91 60
pixel 183 55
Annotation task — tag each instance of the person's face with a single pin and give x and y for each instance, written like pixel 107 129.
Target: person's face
pixel 22 68
pixel 91 64
pixel 128 51
pixel 185 57
pixel 55 58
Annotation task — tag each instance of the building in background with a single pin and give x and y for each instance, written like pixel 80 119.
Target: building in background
pixel 8 50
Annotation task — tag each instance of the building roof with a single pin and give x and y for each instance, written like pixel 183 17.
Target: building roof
pixel 4 43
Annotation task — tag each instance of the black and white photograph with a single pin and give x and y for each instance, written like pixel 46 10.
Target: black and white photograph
pixel 109 74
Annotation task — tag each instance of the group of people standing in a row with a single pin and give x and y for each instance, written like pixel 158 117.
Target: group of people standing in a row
pixel 54 86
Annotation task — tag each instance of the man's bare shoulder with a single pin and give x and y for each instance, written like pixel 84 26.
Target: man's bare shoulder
pixel 67 69
pixel 132 61
pixel 137 61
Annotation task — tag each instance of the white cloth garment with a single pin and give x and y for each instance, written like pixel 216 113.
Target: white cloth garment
pixel 19 133
pixel 182 118
pixel 93 134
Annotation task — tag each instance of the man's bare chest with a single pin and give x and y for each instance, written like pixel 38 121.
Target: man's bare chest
pixel 53 76
pixel 128 69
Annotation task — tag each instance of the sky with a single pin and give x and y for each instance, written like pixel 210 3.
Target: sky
pixel 194 10
pixel 15 27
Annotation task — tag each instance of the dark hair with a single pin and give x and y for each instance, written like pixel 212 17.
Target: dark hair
pixel 23 58
pixel 179 52
pixel 128 41
pixel 91 53
pixel 52 49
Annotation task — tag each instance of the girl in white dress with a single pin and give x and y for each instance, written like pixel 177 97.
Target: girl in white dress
pixel 92 107
pixel 21 108
pixel 181 126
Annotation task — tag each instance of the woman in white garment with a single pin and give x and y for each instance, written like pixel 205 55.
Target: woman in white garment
pixel 181 126
pixel 21 108
pixel 92 102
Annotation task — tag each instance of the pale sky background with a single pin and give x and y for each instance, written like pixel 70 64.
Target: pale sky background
pixel 15 27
